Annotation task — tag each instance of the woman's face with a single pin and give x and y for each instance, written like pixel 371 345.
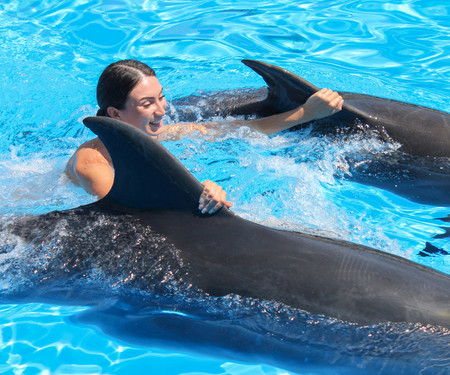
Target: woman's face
pixel 145 106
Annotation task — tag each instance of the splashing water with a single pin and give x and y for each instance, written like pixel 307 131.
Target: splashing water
pixel 51 58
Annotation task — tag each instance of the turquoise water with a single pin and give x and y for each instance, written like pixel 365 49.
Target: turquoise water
pixel 52 54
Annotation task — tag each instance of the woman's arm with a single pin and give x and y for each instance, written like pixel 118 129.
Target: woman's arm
pixel 175 132
pixel 322 104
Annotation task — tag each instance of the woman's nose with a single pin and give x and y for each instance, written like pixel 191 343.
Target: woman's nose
pixel 161 106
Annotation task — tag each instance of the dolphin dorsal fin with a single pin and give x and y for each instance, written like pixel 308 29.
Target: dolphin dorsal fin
pixel 147 176
pixel 286 88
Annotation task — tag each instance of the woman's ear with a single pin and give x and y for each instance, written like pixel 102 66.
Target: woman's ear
pixel 113 112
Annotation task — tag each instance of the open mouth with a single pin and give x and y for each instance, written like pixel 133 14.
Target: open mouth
pixel 156 124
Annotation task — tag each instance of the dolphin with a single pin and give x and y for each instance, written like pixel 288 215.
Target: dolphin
pixel 221 254
pixel 420 172
pixel 421 131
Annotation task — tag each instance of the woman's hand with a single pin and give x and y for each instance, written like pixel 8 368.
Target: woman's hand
pixel 213 197
pixel 323 103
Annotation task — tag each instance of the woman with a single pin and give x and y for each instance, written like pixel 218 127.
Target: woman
pixel 129 91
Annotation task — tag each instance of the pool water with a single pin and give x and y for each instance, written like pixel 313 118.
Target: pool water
pixel 52 54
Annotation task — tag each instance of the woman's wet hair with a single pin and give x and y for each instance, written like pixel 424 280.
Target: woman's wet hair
pixel 117 81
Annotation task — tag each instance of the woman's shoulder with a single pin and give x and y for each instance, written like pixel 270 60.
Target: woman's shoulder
pixel 93 150
pixel 90 152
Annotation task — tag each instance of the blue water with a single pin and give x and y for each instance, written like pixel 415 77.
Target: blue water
pixel 52 54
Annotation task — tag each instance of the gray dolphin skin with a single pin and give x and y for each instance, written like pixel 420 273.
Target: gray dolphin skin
pixel 226 254
pixel 421 131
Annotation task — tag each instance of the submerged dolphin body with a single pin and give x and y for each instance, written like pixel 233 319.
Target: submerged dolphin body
pixel 421 173
pixel 223 253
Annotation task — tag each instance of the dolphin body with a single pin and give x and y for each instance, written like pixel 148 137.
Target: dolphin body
pixel 223 253
pixel 421 131
pixel 420 172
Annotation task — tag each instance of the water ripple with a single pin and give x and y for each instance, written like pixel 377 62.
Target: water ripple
pixel 372 38
pixel 53 52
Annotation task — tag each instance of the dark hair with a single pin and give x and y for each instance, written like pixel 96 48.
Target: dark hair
pixel 117 81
